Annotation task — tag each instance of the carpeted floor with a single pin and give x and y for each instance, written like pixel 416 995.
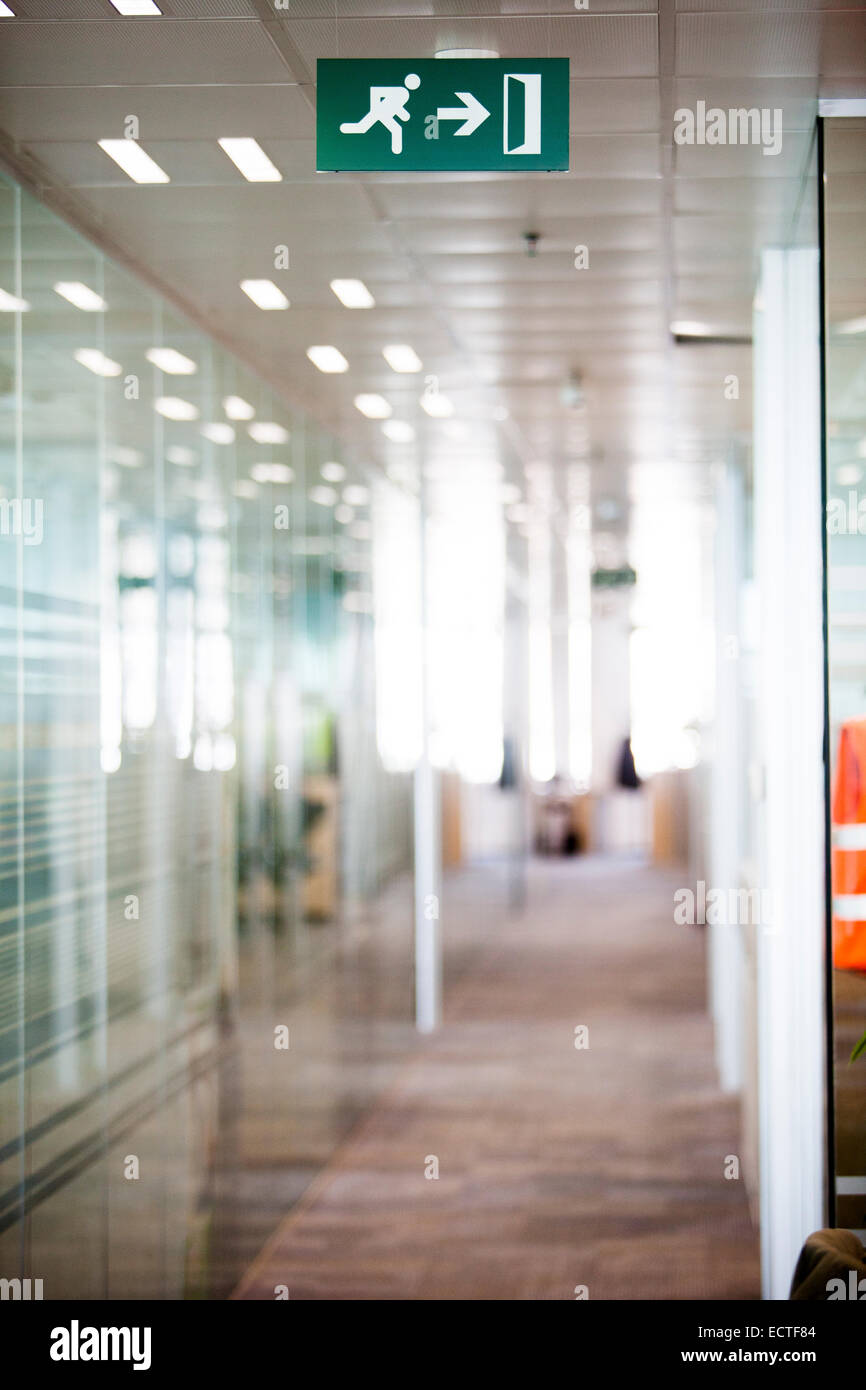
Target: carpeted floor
pixel 560 1167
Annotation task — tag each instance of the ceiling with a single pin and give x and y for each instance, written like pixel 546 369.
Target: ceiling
pixel 673 232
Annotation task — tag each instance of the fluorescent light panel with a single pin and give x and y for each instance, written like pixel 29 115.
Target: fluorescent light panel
pixel 356 495
pixel 236 408
pixel 133 160
pixel 437 406
pixel 81 296
pixel 171 361
pixel 327 358
pixel 324 496
pixel 5 12
pixel 398 431
pixel 218 432
pixel 402 358
pixel 175 408
pixel 97 362
pixel 690 328
pixel 373 406
pixel 136 7
pixel 272 473
pixel 12 304
pixel 353 293
pixel 264 294
pixel 248 156
pixel 268 432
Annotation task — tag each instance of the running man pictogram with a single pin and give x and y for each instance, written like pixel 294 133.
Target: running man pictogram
pixel 387 107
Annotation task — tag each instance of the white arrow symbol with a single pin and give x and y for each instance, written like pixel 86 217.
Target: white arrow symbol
pixel 471 113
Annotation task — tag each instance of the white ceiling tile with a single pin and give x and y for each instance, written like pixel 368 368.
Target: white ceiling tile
pixel 731 45
pixel 598 45
pixel 135 53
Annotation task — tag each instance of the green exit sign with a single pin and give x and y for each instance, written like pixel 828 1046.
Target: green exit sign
pixel 442 113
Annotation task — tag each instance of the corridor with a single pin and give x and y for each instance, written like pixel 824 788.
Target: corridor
pixel 558 1166
pixel 432 541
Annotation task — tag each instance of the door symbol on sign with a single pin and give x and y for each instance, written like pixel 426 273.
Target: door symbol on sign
pixel 530 126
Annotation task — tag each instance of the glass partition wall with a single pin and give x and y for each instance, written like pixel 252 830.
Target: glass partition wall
pixel 844 146
pixel 194 819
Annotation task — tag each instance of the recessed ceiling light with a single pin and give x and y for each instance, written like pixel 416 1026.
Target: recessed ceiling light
pixel 97 362
pixel 344 514
pixel 690 328
pixel 324 496
pixel 136 7
pixel 218 432
pixel 356 495
pixel 436 405
pixel 373 406
pixel 402 358
pixel 236 408
pixel 353 293
pixel 399 431
pixel 81 296
pixel 171 361
pixel 272 473
pixel 467 53
pixel 132 159
pixel 5 12
pixel 265 294
pixel 174 408
pixel 12 303
pixel 851 326
pixel 244 487
pixel 268 432
pixel 333 472
pixel 248 156
pixel 181 455
pixel 327 359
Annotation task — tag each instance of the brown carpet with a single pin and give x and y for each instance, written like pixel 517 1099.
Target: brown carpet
pixel 558 1167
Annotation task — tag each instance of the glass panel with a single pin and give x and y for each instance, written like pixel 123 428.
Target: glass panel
pixel 13 1254
pixel 62 806
pixel 845 288
pixel 201 846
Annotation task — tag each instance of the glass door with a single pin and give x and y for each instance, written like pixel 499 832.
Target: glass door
pixel 844 258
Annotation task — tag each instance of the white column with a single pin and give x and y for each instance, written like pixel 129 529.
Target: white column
pixel 427 829
pixel 560 673
pixel 725 957
pixel 790 714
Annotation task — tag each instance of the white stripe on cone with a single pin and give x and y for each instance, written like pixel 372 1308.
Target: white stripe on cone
pixel 850 907
pixel 850 836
